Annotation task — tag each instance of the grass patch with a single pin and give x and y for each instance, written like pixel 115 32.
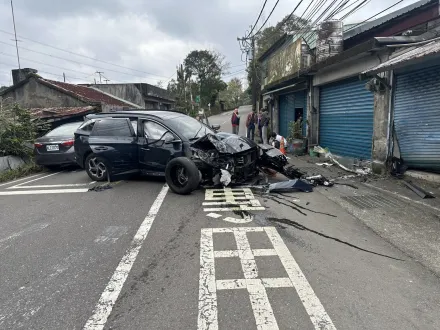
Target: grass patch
pixel 20 172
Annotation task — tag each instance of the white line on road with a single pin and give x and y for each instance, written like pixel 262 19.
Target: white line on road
pixel 43 177
pixel 113 289
pixel 52 186
pixel 42 192
pixel 313 306
pixel 207 317
pixel 18 180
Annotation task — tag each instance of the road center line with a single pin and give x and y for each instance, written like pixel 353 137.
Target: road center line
pixel 111 292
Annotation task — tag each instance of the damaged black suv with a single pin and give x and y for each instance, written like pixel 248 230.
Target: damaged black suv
pixel 186 151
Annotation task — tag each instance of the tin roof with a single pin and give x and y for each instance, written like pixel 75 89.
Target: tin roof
pixel 420 53
pixel 59 112
pixel 85 93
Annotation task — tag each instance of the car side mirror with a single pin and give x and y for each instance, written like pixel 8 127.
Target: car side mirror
pixel 216 127
pixel 168 137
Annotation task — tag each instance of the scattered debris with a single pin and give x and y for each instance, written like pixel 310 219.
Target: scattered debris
pixel 319 180
pixel 419 191
pixel 102 187
pixel 324 164
pixel 225 177
pixel 291 185
pixel 398 167
pixel 365 166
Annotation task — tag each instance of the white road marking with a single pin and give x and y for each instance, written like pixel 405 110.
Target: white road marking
pixel 313 306
pixel 256 287
pixel 214 215
pixel 42 192
pixel 18 180
pixel 111 234
pixel 52 186
pixel 207 316
pixel 227 199
pixel 43 177
pixel 31 229
pixel 113 289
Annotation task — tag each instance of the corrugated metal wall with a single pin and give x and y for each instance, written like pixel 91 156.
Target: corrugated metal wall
pixel 288 103
pixel 417 117
pixel 346 118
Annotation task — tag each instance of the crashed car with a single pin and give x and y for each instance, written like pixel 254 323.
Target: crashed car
pixel 188 152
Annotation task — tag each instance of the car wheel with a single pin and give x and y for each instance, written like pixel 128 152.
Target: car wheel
pixel 97 168
pixel 182 175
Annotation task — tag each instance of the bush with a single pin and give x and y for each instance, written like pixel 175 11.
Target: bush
pixel 18 131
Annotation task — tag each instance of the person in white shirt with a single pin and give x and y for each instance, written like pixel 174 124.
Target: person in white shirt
pixel 276 140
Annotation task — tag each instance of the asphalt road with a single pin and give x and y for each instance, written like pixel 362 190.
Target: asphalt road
pixel 137 256
pixel 224 120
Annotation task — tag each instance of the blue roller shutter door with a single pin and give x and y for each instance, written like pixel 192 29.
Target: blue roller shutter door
pixel 346 118
pixel 417 117
pixel 288 103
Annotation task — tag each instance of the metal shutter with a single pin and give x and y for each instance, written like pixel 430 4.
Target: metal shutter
pixel 346 118
pixel 287 113
pixel 417 117
pixel 288 103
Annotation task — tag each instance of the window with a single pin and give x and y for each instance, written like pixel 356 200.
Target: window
pixel 64 130
pixel 189 127
pixel 112 127
pixel 154 131
pixel 87 126
pixel 134 123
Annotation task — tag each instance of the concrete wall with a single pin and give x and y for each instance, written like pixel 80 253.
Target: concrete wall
pixel 346 69
pixel 127 92
pixel 36 95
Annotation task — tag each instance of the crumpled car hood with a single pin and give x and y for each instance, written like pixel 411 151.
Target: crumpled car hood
pixel 224 143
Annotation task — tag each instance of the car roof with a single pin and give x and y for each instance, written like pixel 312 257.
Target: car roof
pixel 139 113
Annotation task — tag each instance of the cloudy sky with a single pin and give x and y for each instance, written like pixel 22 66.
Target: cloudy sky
pixel 135 40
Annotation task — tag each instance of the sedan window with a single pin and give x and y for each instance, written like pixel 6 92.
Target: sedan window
pixel 112 127
pixel 64 130
pixel 154 131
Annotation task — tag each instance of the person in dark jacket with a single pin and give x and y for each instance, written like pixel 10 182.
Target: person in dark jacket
pixel 235 121
pixel 250 124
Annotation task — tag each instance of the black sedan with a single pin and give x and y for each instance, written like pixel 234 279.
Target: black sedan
pixel 56 147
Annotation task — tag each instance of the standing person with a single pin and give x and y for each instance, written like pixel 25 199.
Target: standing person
pixel 264 124
pixel 260 129
pixel 235 121
pixel 250 124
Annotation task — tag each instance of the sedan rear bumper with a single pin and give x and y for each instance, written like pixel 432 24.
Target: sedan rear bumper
pixel 65 158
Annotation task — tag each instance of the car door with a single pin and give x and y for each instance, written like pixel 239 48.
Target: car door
pixel 157 146
pixel 115 140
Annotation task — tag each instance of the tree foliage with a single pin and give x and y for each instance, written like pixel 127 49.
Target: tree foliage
pixel 233 96
pixel 18 130
pixel 200 74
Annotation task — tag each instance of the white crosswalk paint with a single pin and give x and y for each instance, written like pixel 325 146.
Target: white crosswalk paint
pixel 227 199
pixel 256 287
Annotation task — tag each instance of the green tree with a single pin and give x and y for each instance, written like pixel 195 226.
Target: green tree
pixel 233 95
pixel 206 68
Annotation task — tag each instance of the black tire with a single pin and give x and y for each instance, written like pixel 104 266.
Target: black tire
pixel 97 168
pixel 182 175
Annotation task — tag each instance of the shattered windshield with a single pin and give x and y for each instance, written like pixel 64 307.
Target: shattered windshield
pixel 189 127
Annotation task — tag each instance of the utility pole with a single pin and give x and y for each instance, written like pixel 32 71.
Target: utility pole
pixel 100 78
pixel 106 80
pixel 248 44
pixel 64 76
pixel 15 34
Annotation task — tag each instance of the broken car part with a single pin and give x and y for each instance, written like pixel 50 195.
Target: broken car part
pixel 291 185
pixel 419 191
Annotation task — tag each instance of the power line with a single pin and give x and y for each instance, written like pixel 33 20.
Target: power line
pixel 258 18
pixel 51 73
pixel 81 55
pixel 270 14
pixel 73 61
pixel 353 27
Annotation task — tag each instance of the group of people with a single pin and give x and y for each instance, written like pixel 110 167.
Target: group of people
pixel 253 120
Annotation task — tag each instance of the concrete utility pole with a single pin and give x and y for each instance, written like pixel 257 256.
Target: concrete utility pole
pixel 64 77
pixel 246 47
